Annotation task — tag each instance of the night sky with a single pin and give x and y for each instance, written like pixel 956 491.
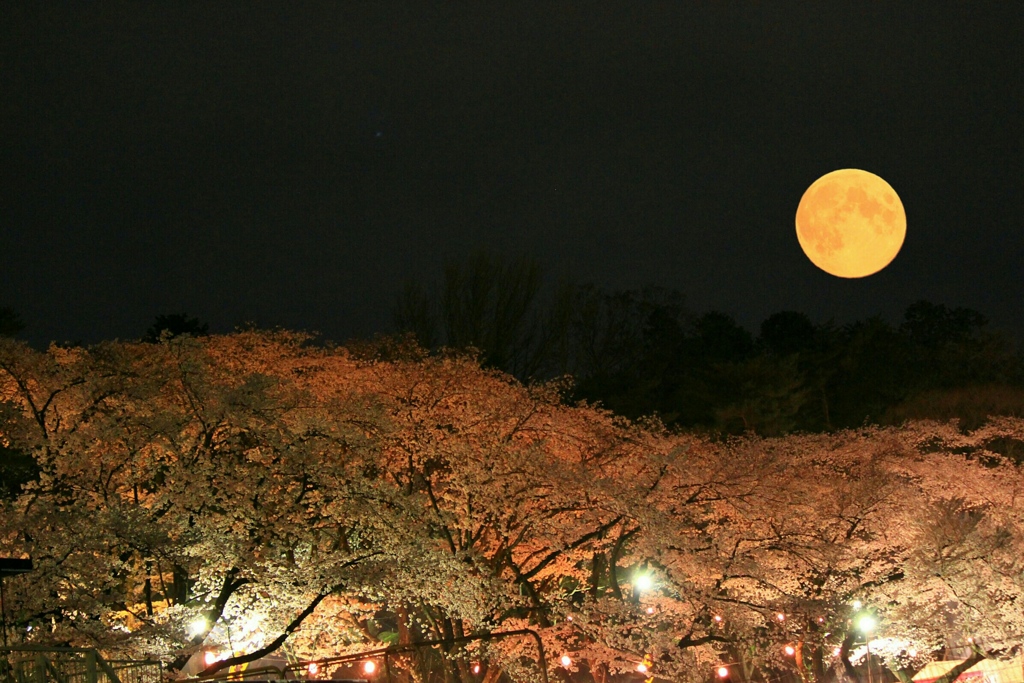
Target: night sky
pixel 293 163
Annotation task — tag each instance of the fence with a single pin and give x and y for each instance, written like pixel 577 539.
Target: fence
pixel 432 661
pixel 72 665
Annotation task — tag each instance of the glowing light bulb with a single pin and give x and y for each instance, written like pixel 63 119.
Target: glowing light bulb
pixel 569 618
pixel 476 667
pixel 369 667
pixel 313 668
pixel 641 667
pixel 650 610
pixel 644 582
pixel 209 657
pixel 723 672
pixel 566 661
pixel 197 627
pixel 866 623
pixel 780 616
pixel 718 618
pixel 789 650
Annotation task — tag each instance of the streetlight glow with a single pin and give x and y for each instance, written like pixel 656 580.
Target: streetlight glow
pixel 644 582
pixel 866 624
pixel 369 666
pixel 789 650
pixel 566 661
pixel 197 627
pixel 723 672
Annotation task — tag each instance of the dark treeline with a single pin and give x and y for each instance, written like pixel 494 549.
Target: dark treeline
pixel 644 352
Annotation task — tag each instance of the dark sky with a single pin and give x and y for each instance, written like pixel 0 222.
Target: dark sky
pixel 292 163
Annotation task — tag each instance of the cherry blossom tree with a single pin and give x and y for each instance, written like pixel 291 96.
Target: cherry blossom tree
pixel 239 493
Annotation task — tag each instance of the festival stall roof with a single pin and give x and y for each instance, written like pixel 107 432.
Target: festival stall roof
pixel 985 671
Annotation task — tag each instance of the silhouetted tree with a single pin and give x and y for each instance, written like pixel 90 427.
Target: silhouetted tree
pixel 499 307
pixel 787 332
pixel 10 322
pixel 175 325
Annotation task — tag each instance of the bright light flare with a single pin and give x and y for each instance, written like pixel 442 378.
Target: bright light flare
pixel 644 582
pixel 789 650
pixel 718 618
pixel 313 668
pixel 866 623
pixel 476 667
pixel 198 627
pixel 369 667
pixel 723 672
pixel 210 657
pixel 641 667
pixel 566 661
pixel 780 616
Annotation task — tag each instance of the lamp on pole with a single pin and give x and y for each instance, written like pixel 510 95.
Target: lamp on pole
pixel 866 624
pixel 9 566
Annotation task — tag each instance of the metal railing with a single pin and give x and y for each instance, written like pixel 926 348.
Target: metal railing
pixel 28 664
pixel 387 670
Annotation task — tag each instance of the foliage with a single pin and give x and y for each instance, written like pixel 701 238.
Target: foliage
pixel 642 352
pixel 239 493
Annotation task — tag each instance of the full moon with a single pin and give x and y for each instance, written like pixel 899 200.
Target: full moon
pixel 850 223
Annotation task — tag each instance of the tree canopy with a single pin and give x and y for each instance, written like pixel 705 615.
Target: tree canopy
pixel 241 493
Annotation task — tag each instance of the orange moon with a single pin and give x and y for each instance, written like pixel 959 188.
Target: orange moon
pixel 850 223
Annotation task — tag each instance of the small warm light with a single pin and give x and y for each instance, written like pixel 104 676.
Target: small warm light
pixel 569 618
pixel 723 672
pixel 566 661
pixel 857 604
pixel 197 627
pixel 780 616
pixel 789 650
pixel 644 582
pixel 821 620
pixel 970 640
pixel 210 657
pixel 313 668
pixel 718 618
pixel 650 610
pixel 476 667
pixel 866 623
pixel 641 667
pixel 369 667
